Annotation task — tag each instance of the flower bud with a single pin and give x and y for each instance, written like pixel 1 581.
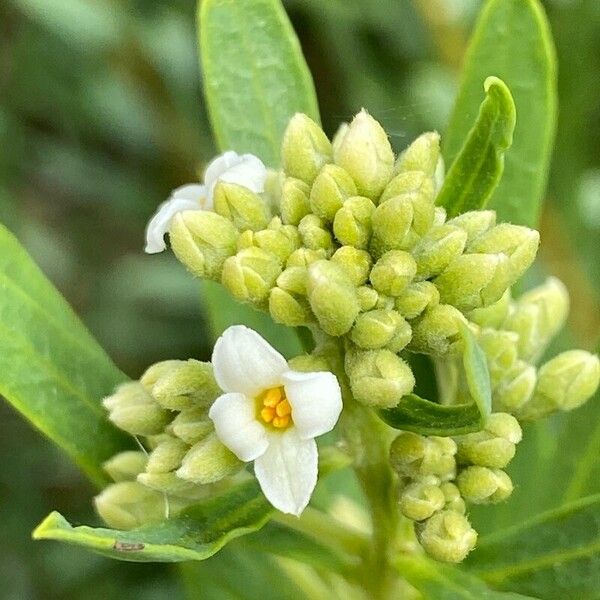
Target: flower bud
pixel 202 240
pixel 447 536
pixel 332 187
pixel 304 149
pixel 518 243
pixel 437 332
pixel 126 466
pixel 516 388
pixel 339 136
pixel 191 425
pixel 474 222
pixel 416 298
pixel 393 272
pixel 352 222
pixel 294 203
pixel 366 154
pixel 288 309
pixel 315 235
pixel 356 263
pixel 309 363
pixel 453 499
pixel 378 377
pixel 128 504
pixel 421 155
pixel 482 485
pixel 208 461
pixel 304 257
pixel 250 274
pixel 167 456
pixel 415 456
pixel 401 337
pixel 132 409
pixel 439 459
pixel 439 216
pixel 280 240
pixel 419 500
pixel 169 483
pixel 409 181
pixel 332 297
pixel 494 314
pixel 437 249
pixel 474 280
pixel 241 206
pixel 367 297
pixel 375 329
pixel 500 348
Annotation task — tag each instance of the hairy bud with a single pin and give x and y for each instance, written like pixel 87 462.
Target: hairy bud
pixel 393 272
pixel 419 500
pixel 126 466
pixel 416 298
pixel 447 536
pixel 482 485
pixel 421 155
pixel 332 187
pixel 352 222
pixel 293 202
pixel 241 206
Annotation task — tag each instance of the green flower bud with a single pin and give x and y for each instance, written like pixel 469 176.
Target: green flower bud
pixel 250 274
pixel 315 235
pixel 421 155
pixel 415 456
pixel 280 240
pixel 401 337
pixel 409 181
pixel 500 349
pixel 439 459
pixel 356 263
pixel 447 536
pixel 366 154
pixel 191 425
pixel 169 483
pixel 287 302
pixel 439 216
pixel 304 257
pixel 453 500
pixel 564 383
pixel 437 249
pixel 309 363
pixel 518 243
pixel 293 279
pixel 294 203
pixel 416 298
pixel 352 222
pixel 492 447
pixel 436 332
pixel 419 500
pixel 474 222
pixel 208 461
pixel 128 504
pixel 494 314
pixel 202 240
pixel 126 466
pixel 339 136
pixel 332 187
pixel 537 316
pixel 304 149
pixel 375 329
pixel 385 302
pixel 241 206
pixel 367 297
pixel 182 385
pixel 378 377
pixel 474 280
pixel 332 297
pixel 516 388
pixel 393 272
pixel 167 456
pixel 132 409
pixel 482 485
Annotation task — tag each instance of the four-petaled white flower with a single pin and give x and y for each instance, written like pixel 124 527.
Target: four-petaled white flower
pixel 246 170
pixel 270 414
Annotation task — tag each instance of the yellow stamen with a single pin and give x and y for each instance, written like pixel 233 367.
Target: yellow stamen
pixel 273 397
pixel 281 422
pixel 283 408
pixel 267 414
pixel 274 408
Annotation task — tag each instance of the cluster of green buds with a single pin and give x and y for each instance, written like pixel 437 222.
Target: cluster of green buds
pixel 180 459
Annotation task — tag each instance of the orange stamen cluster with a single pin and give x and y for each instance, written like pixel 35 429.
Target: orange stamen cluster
pixel 275 409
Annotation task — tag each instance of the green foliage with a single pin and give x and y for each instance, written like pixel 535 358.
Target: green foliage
pixel 255 75
pixel 512 41
pixel 51 369
pixel 477 168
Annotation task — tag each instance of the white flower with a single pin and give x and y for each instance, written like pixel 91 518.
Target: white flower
pixel 271 415
pixel 246 170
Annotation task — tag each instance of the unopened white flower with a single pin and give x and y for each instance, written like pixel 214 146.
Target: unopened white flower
pixel 270 414
pixel 246 170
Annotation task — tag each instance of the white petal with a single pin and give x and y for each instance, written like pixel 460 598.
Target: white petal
pixel 234 416
pixel 316 401
pixel 245 362
pixel 246 170
pixel 159 224
pixel 287 471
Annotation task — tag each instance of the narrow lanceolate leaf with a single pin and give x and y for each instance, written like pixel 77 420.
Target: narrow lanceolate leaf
pixel 51 369
pixel 476 371
pixel 512 41
pixel 555 555
pixel 195 534
pixel 255 77
pixel 442 582
pixel 477 168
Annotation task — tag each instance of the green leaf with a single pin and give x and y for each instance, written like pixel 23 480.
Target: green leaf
pixel 195 534
pixel 255 77
pixel 51 369
pixel 477 169
pixel 442 582
pixel 512 41
pixel 430 418
pixel 555 555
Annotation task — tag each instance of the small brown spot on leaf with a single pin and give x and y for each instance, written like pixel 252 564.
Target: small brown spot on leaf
pixel 127 546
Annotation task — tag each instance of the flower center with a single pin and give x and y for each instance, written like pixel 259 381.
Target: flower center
pixel 274 408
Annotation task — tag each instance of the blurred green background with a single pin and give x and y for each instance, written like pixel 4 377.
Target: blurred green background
pixel 101 115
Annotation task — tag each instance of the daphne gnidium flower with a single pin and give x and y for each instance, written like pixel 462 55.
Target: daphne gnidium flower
pixel 271 415
pixel 246 170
